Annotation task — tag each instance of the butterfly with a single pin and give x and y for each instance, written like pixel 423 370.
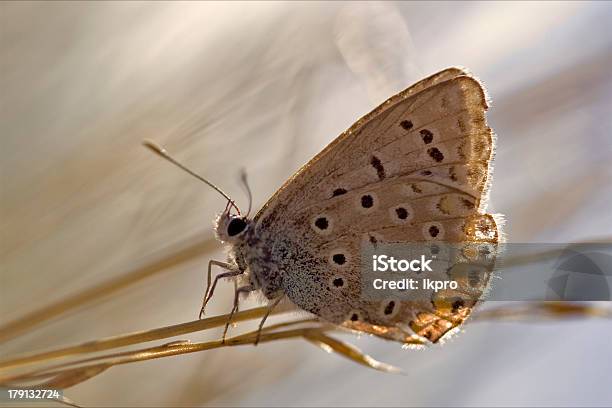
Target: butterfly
pixel 415 169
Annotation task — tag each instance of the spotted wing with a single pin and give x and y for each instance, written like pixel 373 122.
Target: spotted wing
pixel 416 169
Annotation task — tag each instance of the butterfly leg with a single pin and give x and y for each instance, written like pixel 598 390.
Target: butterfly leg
pixel 210 290
pixel 261 324
pixel 244 289
pixel 235 289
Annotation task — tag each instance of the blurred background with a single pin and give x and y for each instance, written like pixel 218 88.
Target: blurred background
pixel 265 86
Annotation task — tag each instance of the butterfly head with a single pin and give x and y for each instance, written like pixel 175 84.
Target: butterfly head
pixel 231 227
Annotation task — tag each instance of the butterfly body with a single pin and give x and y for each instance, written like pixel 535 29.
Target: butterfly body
pixel 267 258
pixel 416 169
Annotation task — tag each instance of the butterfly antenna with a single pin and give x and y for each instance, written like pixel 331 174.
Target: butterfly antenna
pixel 243 178
pixel 163 153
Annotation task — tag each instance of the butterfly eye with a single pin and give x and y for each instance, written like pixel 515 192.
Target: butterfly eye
pixel 236 226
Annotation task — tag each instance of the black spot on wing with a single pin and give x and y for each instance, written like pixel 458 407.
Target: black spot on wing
pixel 377 164
pixel 338 192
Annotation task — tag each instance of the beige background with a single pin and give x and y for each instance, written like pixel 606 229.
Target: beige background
pixel 265 86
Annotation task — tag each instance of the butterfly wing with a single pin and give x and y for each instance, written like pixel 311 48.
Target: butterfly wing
pixel 415 169
pixel 322 161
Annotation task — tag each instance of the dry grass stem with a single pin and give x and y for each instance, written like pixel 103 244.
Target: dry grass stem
pixel 536 311
pixel 181 254
pixel 74 372
pixel 135 338
pixel 65 375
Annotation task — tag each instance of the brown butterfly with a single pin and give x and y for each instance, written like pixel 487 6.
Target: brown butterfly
pixel 415 169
